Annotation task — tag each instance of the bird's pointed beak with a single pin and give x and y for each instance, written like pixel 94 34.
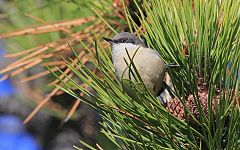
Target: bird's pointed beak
pixel 108 40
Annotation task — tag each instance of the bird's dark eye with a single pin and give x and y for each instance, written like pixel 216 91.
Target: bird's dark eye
pixel 123 40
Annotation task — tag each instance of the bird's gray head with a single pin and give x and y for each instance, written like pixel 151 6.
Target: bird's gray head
pixel 126 37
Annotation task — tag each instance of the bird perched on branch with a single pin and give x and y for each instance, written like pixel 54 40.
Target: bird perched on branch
pixel 127 48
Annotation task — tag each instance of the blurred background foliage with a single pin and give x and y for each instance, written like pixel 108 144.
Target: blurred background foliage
pixel 23 14
pixel 35 35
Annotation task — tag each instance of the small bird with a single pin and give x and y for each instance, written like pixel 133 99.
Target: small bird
pixel 148 62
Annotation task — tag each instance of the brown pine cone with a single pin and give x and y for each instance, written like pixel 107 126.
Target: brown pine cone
pixel 176 108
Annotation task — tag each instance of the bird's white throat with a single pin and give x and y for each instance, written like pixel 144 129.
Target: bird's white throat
pixel 120 49
pixel 124 46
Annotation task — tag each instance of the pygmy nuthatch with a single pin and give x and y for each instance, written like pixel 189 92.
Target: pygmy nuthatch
pixel 148 62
